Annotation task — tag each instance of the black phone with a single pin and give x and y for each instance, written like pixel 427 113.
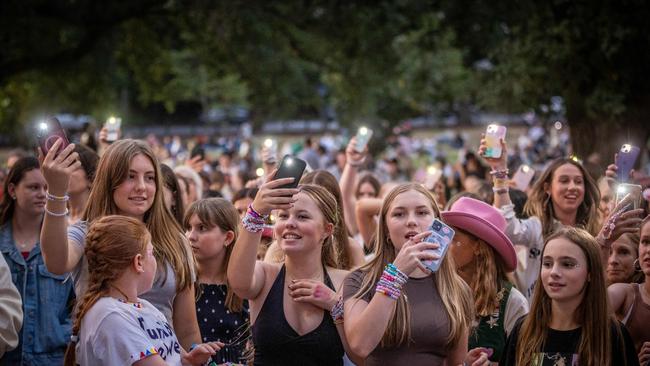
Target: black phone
pixel 198 150
pixel 290 166
pixel 49 131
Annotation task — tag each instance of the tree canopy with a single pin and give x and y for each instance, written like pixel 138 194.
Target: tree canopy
pixel 383 60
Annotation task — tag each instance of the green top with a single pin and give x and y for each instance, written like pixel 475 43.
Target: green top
pixel 490 332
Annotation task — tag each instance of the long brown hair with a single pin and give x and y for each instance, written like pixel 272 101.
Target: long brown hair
pixel 453 291
pixel 341 245
pixel 540 203
pixel 595 347
pixel 111 244
pixel 218 212
pixel 168 242
pixel 16 174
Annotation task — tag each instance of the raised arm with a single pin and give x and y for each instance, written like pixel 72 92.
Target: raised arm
pixel 365 212
pixel 348 182
pixel 245 274
pixel 59 254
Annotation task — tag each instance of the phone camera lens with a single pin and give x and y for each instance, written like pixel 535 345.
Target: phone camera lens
pixel 436 226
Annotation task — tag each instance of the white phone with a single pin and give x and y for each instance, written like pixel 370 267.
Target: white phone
pixel 523 176
pixel 113 125
pixel 363 136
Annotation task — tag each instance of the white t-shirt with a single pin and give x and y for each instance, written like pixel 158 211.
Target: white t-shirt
pixel 114 333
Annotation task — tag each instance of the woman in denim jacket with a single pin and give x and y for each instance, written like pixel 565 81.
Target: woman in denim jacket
pixel 47 298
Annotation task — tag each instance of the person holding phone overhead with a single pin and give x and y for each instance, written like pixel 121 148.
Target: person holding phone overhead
pixel 294 317
pixel 46 297
pixel 570 322
pixel 483 255
pixel 564 195
pixel 128 182
pixel 396 312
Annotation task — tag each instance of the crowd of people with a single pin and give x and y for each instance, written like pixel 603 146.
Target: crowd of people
pixel 148 252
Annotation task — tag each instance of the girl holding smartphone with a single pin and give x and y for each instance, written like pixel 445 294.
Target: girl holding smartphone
pixel 397 311
pixel 128 182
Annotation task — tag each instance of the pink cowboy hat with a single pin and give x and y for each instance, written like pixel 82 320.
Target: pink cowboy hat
pixel 486 223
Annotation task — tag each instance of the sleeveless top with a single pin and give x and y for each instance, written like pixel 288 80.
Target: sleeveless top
pixel 491 332
pixel 276 343
pixel 638 320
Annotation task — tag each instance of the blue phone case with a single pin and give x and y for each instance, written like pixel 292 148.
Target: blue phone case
pixel 442 235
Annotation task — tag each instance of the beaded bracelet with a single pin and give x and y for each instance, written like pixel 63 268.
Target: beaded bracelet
pixel 337 311
pixel 391 282
pixel 500 190
pixel 256 214
pixel 610 226
pixel 56 214
pixel 500 174
pixel 252 224
pixel 52 197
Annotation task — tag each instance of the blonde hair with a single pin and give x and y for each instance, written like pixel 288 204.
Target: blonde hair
pixel 540 203
pixel 167 239
pixel 341 244
pixel 595 347
pixel 218 212
pixel 111 244
pixel 453 291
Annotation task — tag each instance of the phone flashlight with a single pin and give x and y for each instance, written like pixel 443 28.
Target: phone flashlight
pixel 626 148
pixel 432 170
pixel 363 130
pixel 259 172
pixel 525 168
pixel 268 143
pixel 289 161
pixel 621 189
pixel 42 126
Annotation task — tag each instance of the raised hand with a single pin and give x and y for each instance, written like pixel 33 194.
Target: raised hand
pixel 495 163
pixel 352 156
pixel 57 167
pixel 313 292
pixel 196 163
pixel 270 197
pixel 413 252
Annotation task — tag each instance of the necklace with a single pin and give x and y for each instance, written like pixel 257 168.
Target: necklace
pixel 136 304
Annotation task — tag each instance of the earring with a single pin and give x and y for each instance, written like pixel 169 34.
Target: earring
pixel 637 265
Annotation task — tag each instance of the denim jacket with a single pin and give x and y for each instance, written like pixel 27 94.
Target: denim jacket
pixel 47 304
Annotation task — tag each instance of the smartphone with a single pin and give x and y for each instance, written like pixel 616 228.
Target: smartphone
pixel 49 131
pixel 442 234
pixel 272 151
pixel 290 166
pixel 625 160
pixel 363 136
pixel 493 136
pixel 433 176
pixel 630 193
pixel 523 176
pixel 113 125
pixel 198 150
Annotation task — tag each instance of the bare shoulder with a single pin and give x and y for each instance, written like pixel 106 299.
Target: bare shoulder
pixel 621 296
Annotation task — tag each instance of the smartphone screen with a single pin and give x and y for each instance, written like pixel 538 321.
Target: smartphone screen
pixel 363 137
pixel 630 193
pixel 113 125
pixel 493 136
pixel 625 160
pixel 442 234
pixel 290 166
pixel 49 131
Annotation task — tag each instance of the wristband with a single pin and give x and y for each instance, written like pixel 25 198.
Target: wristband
pixel 337 311
pixel 500 173
pixel 56 214
pixel 500 190
pixel 52 197
pixel 256 214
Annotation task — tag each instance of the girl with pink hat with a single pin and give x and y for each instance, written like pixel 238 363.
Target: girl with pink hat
pixel 483 255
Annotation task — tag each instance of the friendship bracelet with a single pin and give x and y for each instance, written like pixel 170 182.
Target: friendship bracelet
pixel 391 282
pixel 256 214
pixel 610 226
pixel 355 165
pixel 500 190
pixel 500 174
pixel 56 214
pixel 337 311
pixel 52 197
pixel 252 224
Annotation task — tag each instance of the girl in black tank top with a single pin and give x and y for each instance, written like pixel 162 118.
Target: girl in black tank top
pixel 305 228
pixel 277 343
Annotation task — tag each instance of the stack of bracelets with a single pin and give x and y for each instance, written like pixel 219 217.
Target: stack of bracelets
pixel 391 282
pixel 500 181
pixel 51 197
pixel 337 311
pixel 253 221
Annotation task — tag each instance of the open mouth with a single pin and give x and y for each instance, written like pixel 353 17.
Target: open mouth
pixel 555 286
pixel 291 236
pixel 410 235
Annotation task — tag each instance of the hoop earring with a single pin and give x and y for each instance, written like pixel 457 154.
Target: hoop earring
pixel 637 265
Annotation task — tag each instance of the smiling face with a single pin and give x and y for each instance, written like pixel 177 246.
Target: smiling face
pixel 409 214
pixel 620 264
pixel 606 204
pixel 567 188
pixel 30 193
pixel 135 195
pixel 564 271
pixel 208 243
pixel 302 227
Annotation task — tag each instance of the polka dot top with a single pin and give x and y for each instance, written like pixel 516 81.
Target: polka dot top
pixel 217 323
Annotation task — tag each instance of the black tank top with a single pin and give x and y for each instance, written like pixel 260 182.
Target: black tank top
pixel 276 343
